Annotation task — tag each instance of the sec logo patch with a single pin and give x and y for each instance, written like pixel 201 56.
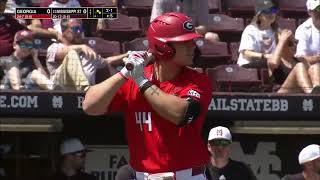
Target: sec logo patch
pixel 194 93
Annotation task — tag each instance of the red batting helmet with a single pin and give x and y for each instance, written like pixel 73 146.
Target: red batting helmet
pixel 169 27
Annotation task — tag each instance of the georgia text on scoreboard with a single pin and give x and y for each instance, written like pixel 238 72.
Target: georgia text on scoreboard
pixel 63 13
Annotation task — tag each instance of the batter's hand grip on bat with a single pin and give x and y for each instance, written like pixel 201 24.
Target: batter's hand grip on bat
pixel 130 63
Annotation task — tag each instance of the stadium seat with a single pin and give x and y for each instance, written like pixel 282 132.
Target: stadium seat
pixel 228 28
pixel 214 6
pixel 122 29
pixel 140 8
pixel 138 44
pixel 234 51
pixel 233 78
pixel 267 84
pixel 293 9
pixel 287 23
pixel 239 8
pixel 103 47
pixel 212 54
pixel 123 22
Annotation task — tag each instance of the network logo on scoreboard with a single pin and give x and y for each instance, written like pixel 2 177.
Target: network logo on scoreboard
pixel 63 13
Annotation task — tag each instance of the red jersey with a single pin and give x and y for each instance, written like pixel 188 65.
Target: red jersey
pixel 155 144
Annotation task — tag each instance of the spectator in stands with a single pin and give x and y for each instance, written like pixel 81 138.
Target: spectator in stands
pixel 309 159
pixel 308 36
pixel 38 31
pixel 33 25
pixel 10 7
pixel 71 63
pixel 73 159
pixel 198 10
pixel 8 28
pixel 258 40
pixel 13 4
pixel 285 70
pixel 89 25
pixel 221 166
pixel 23 68
pixel 163 6
pixel 62 4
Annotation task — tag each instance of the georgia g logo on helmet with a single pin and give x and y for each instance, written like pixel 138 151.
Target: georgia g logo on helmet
pixel 188 26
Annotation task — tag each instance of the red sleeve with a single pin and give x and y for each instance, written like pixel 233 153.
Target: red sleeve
pixel 200 89
pixel 119 101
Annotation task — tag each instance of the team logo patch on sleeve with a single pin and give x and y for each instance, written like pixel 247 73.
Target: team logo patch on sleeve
pixel 194 93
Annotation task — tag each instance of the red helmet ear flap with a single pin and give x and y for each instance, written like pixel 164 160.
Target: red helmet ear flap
pixel 164 50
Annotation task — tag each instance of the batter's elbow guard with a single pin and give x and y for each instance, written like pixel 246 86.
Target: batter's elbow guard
pixel 192 113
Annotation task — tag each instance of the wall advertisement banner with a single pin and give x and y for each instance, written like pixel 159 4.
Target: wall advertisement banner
pixel 104 161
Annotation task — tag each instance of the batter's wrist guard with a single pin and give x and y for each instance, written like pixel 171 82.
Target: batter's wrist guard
pixel 124 73
pixel 140 81
pixel 145 86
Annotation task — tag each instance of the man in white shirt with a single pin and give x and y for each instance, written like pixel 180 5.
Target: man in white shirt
pixel 308 36
pixel 309 159
pixel 71 63
pixel 198 10
pixel 62 4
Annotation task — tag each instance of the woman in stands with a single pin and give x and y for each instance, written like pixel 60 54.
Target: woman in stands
pixel 261 47
pixel 285 70
pixel 258 40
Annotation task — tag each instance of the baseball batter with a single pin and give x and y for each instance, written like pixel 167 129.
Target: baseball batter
pixel 164 103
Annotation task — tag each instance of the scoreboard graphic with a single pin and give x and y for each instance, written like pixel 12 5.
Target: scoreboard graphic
pixel 64 13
